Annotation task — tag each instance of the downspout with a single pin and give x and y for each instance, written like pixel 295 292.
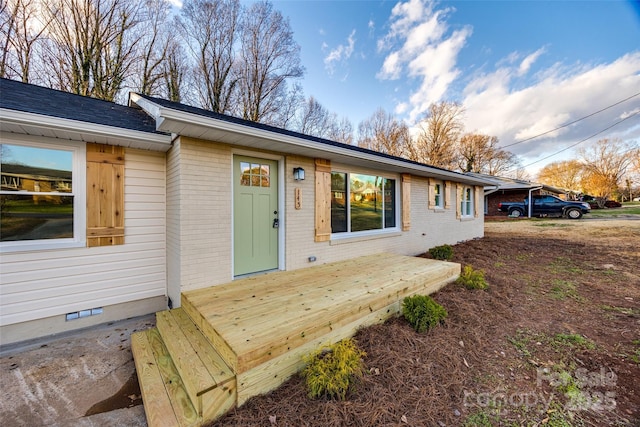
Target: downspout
pixel 491 191
pixel 486 193
pixel 531 199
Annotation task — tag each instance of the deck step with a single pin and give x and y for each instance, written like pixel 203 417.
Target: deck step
pixel 165 400
pixel 208 381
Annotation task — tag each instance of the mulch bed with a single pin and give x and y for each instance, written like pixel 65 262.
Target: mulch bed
pixel 498 356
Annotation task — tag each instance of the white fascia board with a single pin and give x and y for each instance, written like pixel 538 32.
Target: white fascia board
pixel 170 115
pixel 134 138
pixel 149 107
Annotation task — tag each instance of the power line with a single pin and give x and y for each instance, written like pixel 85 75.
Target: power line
pixel 580 142
pixel 570 123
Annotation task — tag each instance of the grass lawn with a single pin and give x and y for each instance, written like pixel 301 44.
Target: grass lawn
pixel 629 208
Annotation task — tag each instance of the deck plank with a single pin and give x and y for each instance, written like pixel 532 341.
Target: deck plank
pixel 167 400
pixel 262 317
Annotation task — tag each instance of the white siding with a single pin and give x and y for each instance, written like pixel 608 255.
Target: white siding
pixel 37 285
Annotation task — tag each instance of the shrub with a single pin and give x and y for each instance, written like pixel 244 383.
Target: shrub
pixel 331 372
pixel 422 312
pixel 443 252
pixel 472 279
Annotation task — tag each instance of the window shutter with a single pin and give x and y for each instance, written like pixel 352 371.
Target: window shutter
pixel 323 200
pixel 476 202
pixel 105 195
pixel 406 202
pixel 447 194
pixel 458 201
pixel 432 193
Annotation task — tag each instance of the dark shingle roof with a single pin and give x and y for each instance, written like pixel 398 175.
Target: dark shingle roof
pixel 29 98
pixel 256 125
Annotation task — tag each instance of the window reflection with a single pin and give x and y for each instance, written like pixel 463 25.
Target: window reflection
pixel 254 175
pixel 368 203
pixel 21 169
pixel 30 217
pixel 36 193
pixel 338 202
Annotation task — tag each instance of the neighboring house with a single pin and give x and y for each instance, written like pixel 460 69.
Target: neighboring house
pixel 502 189
pixel 136 204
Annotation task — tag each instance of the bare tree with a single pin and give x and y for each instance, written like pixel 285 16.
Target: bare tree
pixel 439 133
pixel 564 174
pixel 8 21
pixel 314 119
pixel 21 27
pixel 341 131
pixel 384 133
pixel 210 28
pixel 269 58
pixel 605 163
pixel 154 44
pixel 174 71
pixel 481 154
pixel 91 47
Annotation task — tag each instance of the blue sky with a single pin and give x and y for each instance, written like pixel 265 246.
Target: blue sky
pixel 519 68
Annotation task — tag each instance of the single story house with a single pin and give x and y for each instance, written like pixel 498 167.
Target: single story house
pixel 501 189
pixel 111 211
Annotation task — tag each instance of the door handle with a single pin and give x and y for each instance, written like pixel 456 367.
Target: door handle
pixel 276 223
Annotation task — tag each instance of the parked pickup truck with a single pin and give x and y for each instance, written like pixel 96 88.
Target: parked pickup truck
pixel 546 206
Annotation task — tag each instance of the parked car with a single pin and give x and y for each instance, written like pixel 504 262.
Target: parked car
pixel 546 206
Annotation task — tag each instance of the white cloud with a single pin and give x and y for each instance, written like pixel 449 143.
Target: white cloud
pixel 527 62
pixel 176 3
pixel 341 53
pixel 627 114
pixel 516 99
pixel 560 94
pixel 420 45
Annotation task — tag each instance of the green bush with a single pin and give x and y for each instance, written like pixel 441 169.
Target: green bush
pixel 331 372
pixel 443 252
pixel 472 279
pixel 422 312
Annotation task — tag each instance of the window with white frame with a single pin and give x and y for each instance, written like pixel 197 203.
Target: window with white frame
pixel 466 202
pixel 362 203
pixel 42 194
pixel 438 195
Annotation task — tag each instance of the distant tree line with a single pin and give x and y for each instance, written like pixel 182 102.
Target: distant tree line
pixel 219 55
pixel 607 169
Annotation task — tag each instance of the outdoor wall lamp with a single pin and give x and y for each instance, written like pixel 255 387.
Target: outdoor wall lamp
pixel 298 174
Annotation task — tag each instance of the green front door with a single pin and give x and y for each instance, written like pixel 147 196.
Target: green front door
pixel 255 215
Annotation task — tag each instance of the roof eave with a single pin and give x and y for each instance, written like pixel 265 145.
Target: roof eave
pixel 172 120
pixel 15 121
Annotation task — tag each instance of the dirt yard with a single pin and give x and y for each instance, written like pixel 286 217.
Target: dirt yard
pixel 554 341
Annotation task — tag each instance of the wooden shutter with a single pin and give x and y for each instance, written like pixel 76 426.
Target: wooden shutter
pixel 406 202
pixel 458 200
pixel 105 195
pixel 432 193
pixel 446 191
pixel 476 203
pixel 323 200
